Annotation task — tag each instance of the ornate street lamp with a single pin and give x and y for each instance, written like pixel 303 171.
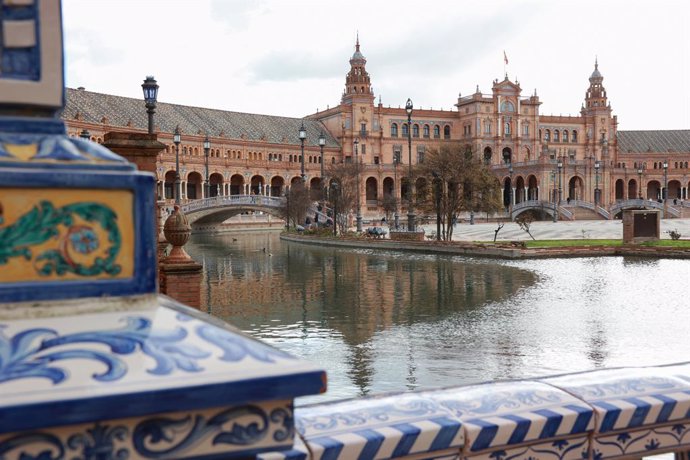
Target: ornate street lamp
pixel 359 201
pixel 664 195
pixel 396 188
pixel 639 187
pixel 510 192
pixel 150 88
pixel 302 137
pixel 176 141
pixel 207 147
pixel 555 204
pixel 597 193
pixel 85 134
pixel 411 226
pixel 322 143
pixel 560 167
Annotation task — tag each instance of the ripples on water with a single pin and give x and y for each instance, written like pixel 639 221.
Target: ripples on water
pixel 393 321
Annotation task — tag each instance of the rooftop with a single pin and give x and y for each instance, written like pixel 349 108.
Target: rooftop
pixel 654 141
pixel 130 112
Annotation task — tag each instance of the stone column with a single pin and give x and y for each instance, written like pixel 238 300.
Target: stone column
pixel 180 275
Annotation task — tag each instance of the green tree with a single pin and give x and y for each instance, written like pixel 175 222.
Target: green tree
pixel 464 182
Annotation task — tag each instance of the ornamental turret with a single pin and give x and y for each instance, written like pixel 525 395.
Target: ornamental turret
pixel 357 81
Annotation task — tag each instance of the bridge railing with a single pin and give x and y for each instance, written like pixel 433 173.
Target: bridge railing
pixel 237 200
pixel 603 212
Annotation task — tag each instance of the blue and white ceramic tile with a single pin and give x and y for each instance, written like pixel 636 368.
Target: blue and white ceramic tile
pixel 244 429
pixel 572 448
pixel 505 414
pixel 298 451
pixel 387 427
pixel 625 399
pixel 642 442
pixel 138 362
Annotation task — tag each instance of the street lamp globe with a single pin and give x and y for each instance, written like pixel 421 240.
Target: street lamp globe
pixel 409 107
pixel 150 88
pixel 322 139
pixel 176 136
pixel 302 132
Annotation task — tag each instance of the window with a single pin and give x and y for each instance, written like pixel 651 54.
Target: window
pixel 525 129
pixel 426 131
pixel 437 131
pixel 348 159
pixel 420 153
pixel 394 130
pixel 446 132
pixel 415 131
pixel 487 126
pixel 364 149
pixel 405 130
pixel 574 136
pixel 506 128
pixel 556 136
pixel 376 160
pixel 547 135
pixel 565 136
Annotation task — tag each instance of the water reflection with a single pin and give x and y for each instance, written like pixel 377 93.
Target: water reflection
pixel 382 321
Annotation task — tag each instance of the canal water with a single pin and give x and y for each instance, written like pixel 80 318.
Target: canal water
pixel 382 321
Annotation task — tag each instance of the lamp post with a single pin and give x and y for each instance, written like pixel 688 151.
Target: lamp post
pixel 597 193
pixel 411 226
pixel 396 216
pixel 437 196
pixel 176 141
pixel 150 88
pixel 359 201
pixel 560 167
pixel 287 205
pixel 639 187
pixel 510 192
pixel 302 137
pixel 555 204
pixel 85 134
pixel 322 143
pixel 207 147
pixel 664 194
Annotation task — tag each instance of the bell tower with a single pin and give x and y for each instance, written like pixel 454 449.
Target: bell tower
pixel 357 83
pixel 596 93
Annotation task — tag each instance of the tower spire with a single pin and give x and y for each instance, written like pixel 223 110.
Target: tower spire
pixel 357 82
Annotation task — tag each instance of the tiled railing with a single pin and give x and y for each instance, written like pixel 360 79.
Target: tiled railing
pixel 598 415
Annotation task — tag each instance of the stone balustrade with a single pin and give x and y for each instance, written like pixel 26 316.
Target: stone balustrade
pixel 597 415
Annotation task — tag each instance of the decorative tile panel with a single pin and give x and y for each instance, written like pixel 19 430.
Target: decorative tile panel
pixel 573 448
pixel 220 432
pixel 110 365
pixel 387 427
pixel 506 414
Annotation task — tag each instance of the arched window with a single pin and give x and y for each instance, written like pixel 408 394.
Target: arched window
pixel 415 131
pixel 507 106
pixel 426 131
pixel 547 135
pixel 446 132
pixel 556 136
pixel 506 128
pixel 565 135
pixel 437 131
pixel 574 136
pixel 405 130
pixel 184 150
pixel 394 130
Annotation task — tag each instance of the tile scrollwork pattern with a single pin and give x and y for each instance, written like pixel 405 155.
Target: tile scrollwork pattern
pixel 43 222
pixel 24 447
pixel 241 426
pixel 99 443
pixel 35 352
pixel 236 348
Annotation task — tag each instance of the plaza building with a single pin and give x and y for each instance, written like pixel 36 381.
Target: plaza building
pixel 581 162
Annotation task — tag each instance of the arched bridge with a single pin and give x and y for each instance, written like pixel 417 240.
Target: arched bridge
pixel 219 208
pixel 565 213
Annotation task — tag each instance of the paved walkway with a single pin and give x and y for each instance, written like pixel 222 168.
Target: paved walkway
pixel 564 230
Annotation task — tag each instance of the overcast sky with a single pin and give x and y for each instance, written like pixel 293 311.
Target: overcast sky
pixel 290 58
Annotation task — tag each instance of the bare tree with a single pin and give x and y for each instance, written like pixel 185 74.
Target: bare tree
pixel 498 229
pixel 524 220
pixel 296 205
pixel 463 181
pixel 344 199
